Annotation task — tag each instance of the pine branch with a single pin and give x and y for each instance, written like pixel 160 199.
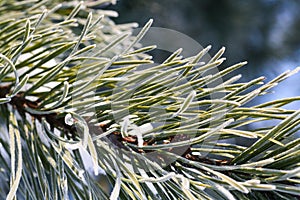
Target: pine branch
pixel 74 96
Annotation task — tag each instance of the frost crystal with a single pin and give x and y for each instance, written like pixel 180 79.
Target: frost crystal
pixel 69 119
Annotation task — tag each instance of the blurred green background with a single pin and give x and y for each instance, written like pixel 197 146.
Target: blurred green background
pixel 266 33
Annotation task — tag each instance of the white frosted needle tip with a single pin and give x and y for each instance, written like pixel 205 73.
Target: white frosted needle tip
pixel 69 120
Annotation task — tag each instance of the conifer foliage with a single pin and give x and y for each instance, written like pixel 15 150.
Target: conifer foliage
pixel 78 106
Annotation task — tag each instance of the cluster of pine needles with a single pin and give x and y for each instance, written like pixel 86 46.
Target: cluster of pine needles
pixel 81 100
